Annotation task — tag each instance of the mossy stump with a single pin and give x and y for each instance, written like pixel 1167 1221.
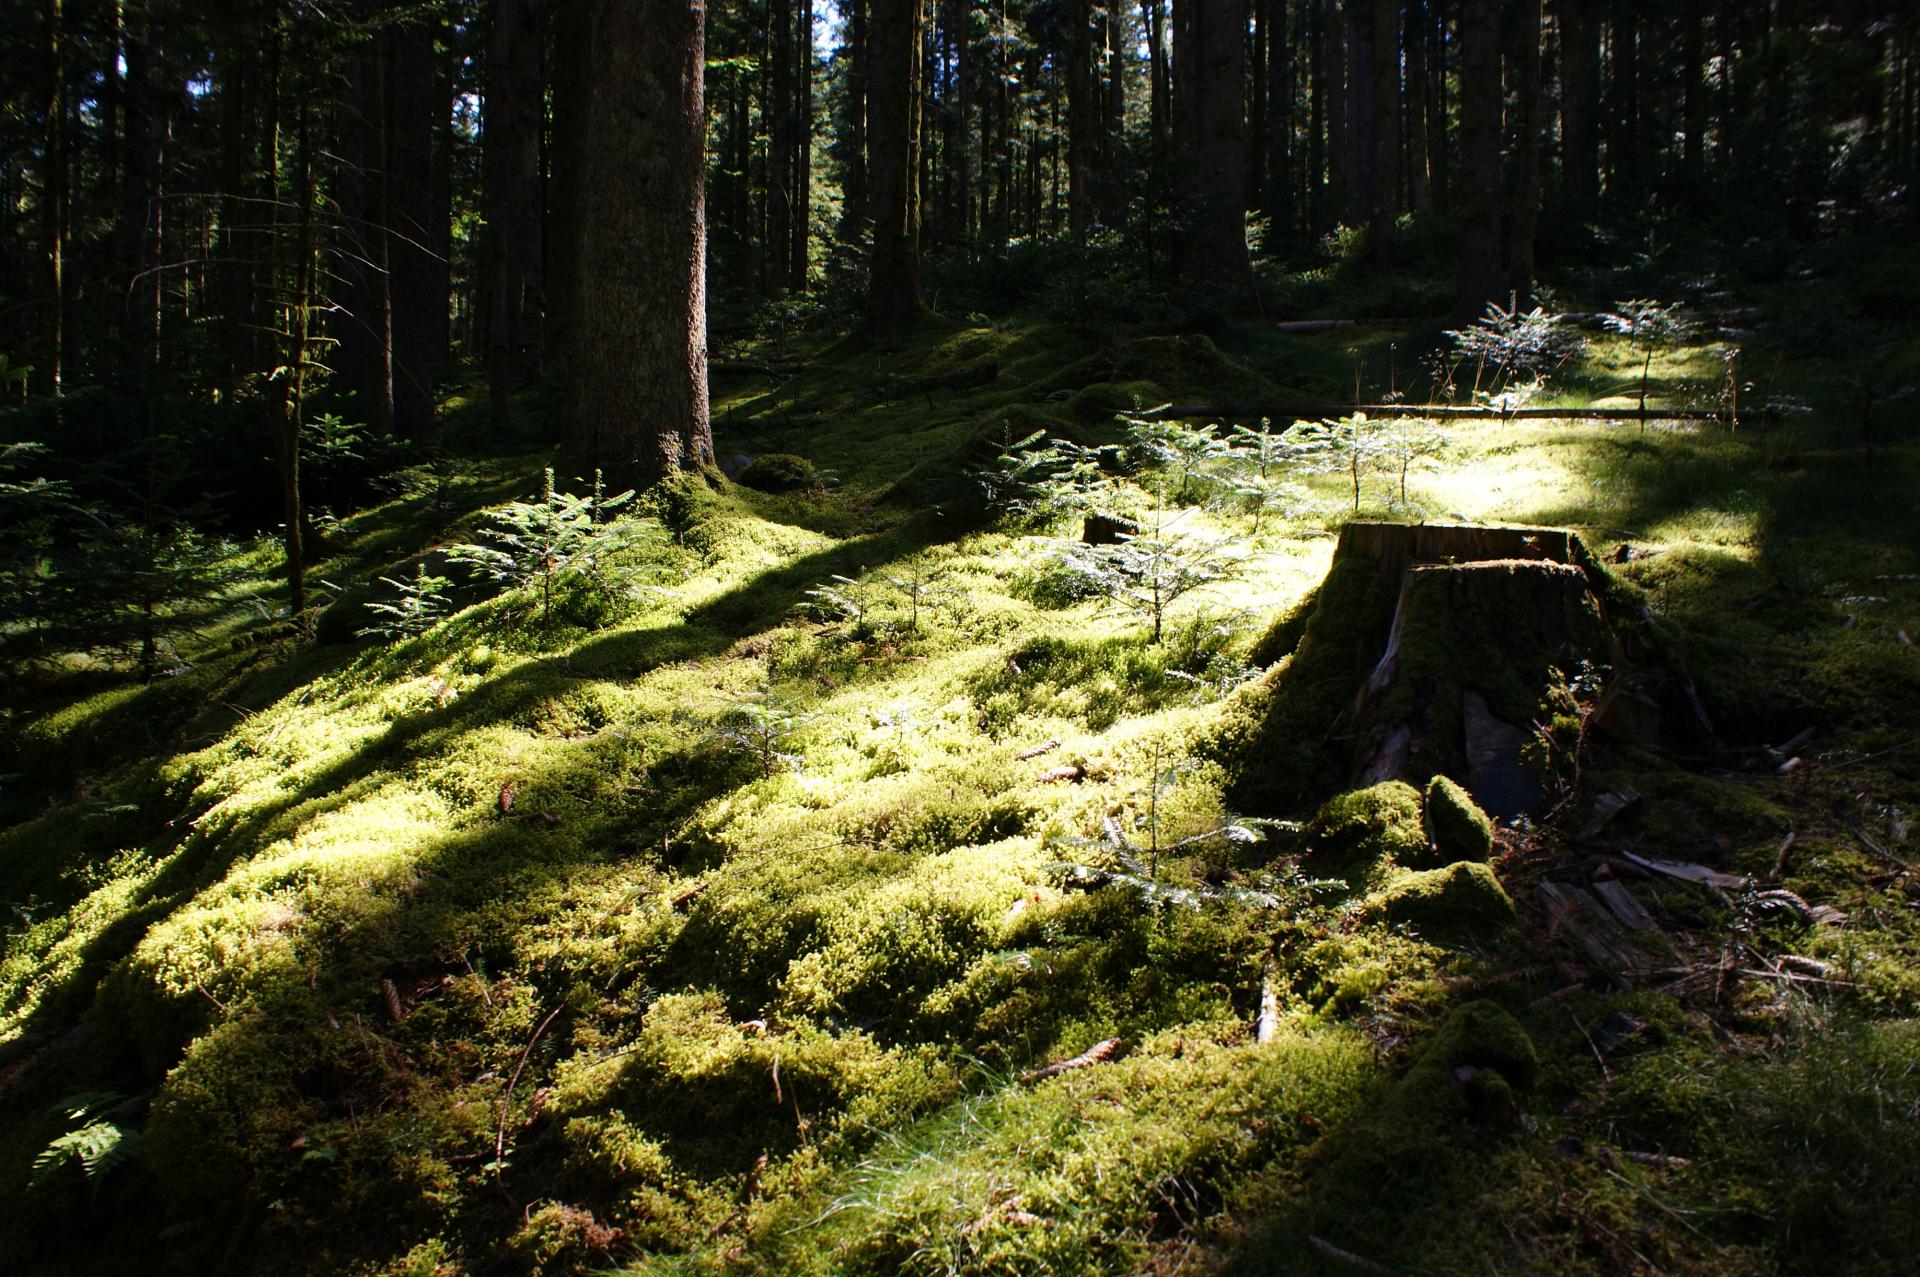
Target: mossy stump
pixel 1426 650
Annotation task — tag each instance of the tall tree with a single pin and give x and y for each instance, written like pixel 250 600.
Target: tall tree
pixel 1384 200
pixel 893 136
pixel 1525 211
pixel 417 279
pixel 1086 114
pixel 1216 253
pixel 637 377
pixel 512 263
pixel 567 162
pixel 54 197
pixel 1579 105
pixel 1479 197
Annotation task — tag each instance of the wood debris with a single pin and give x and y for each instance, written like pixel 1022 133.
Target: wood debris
pixel 1625 905
pixel 1058 773
pixel 1037 750
pixel 1686 871
pixel 1606 807
pixel 1098 1053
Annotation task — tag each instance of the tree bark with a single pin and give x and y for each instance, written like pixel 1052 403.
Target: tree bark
pixel 1693 70
pixel 417 286
pixel 779 114
pixel 893 280
pixel 1084 113
pixel 1359 20
pixel 853 194
pixel 573 48
pixel 637 379
pixel 1579 106
pixel 513 262
pixel 800 251
pixel 1479 202
pixel 142 153
pixel 1417 124
pixel 54 199
pixel 1217 254
pixel 1526 153
pixel 1384 205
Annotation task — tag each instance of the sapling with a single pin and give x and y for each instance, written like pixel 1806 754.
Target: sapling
pixel 1647 325
pixel 921 583
pixel 761 725
pixel 539 544
pixel 1517 344
pixel 1146 572
pixel 419 604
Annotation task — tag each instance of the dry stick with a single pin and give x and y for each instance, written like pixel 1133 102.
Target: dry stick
pixel 1601 1060
pixel 1780 859
pixel 1092 1055
pixel 1439 412
pixel 1347 1257
pixel 506 1103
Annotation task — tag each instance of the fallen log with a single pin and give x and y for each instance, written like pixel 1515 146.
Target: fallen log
pixel 1442 412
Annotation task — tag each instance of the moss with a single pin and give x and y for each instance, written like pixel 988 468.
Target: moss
pixel 1455 823
pixel 1364 834
pixel 780 472
pixel 1464 896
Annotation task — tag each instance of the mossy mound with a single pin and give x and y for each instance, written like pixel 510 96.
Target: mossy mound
pixel 1461 897
pixel 1455 823
pixel 781 472
pixel 1363 835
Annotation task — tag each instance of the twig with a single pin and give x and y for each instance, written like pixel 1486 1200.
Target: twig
pixel 1605 1075
pixel 1094 1054
pixel 506 1102
pixel 1322 1246
pixel 1780 858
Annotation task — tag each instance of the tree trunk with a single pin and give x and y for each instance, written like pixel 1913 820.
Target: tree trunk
pixel 363 360
pixel 1281 196
pixel 1579 105
pixel 1317 121
pixel 853 194
pixel 1623 152
pixel 1419 147
pixel 1084 112
pixel 1217 254
pixel 1479 202
pixel 893 282
pixel 1526 153
pixel 417 286
pixel 1359 19
pixel 572 52
pixel 779 115
pixel 1693 69
pixel 1385 76
pixel 1437 169
pixel 142 152
pixel 637 379
pixel 53 198
pixel 800 253
pixel 513 262
pixel 1334 65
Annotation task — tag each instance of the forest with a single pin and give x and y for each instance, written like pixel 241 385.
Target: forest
pixel 1204 637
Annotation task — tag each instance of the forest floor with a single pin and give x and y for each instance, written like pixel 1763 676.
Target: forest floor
pixel 730 928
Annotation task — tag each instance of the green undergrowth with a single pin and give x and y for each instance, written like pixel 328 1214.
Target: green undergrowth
pixel 725 928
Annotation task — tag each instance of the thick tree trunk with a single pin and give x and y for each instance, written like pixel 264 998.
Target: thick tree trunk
pixel 1437 167
pixel 1281 195
pixel 572 52
pixel 513 262
pixel 1479 197
pixel 637 379
pixel 1526 152
pixel 1579 106
pixel 1217 253
pixel 142 152
pixel 1339 172
pixel 1317 122
pixel 893 281
pixel 1384 205
pixel 1359 19
pixel 853 194
pixel 1693 72
pixel 1623 151
pixel 417 286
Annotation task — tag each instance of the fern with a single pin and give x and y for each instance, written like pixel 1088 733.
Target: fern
pixel 98 1147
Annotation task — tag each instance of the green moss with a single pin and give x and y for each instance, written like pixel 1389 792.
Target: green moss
pixel 1364 834
pixel 1460 897
pixel 780 472
pixel 1457 826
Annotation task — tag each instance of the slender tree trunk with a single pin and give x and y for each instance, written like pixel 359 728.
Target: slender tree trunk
pixel 1437 159
pixel 1384 206
pixel 1693 71
pixel 1526 152
pixel 1479 198
pixel 637 378
pixel 1623 151
pixel 142 154
pixel 1257 113
pixel 893 282
pixel 1084 112
pixel 1335 67
pixel 1419 147
pixel 54 199
pixel 417 283
pixel 1317 122
pixel 779 146
pixel 801 252
pixel 853 195
pixel 1281 202
pixel 1112 193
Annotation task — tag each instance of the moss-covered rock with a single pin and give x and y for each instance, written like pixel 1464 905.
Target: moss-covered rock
pixel 1463 896
pixel 1455 823
pixel 781 472
pixel 1478 1064
pixel 1363 835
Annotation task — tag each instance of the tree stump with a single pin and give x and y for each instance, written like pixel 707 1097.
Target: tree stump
pixel 1430 649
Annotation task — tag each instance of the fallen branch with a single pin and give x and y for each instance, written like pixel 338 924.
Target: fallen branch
pixel 1440 412
pixel 1326 1249
pixel 1098 1053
